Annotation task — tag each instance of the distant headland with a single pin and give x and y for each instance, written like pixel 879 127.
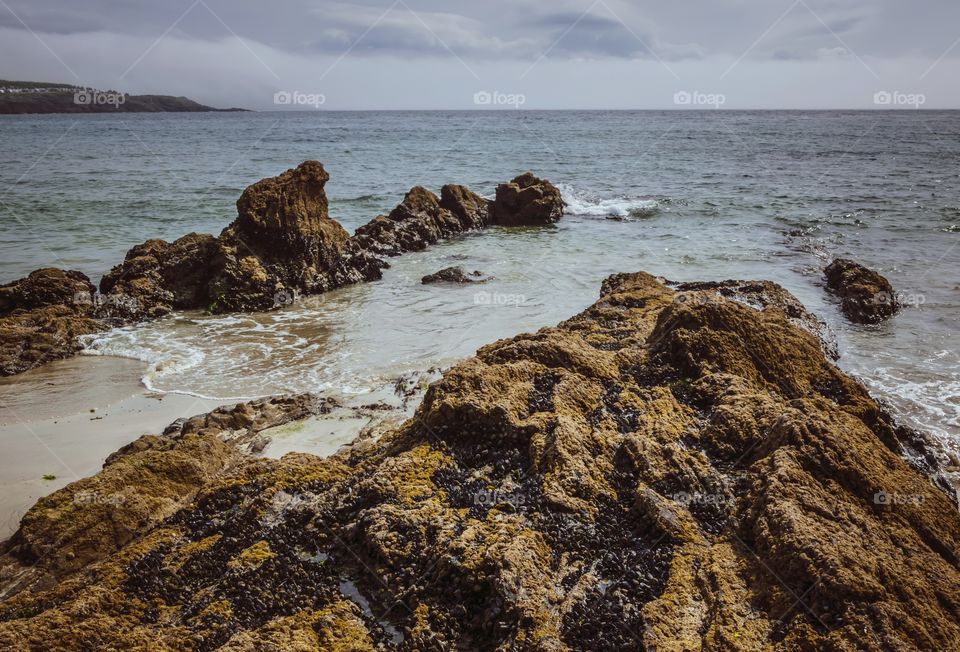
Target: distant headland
pixel 41 97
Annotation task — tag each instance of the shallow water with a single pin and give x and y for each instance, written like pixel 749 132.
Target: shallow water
pixel 699 195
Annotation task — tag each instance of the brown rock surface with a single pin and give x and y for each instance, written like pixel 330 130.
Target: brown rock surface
pixel 417 222
pixel 866 297
pixel 668 470
pixel 526 201
pixel 472 210
pixel 283 243
pixel 157 277
pixel 140 485
pixel 41 317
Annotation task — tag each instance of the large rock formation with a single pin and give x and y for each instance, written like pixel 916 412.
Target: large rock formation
pixel 283 243
pixel 526 201
pixel 866 297
pixel 669 470
pixel 41 317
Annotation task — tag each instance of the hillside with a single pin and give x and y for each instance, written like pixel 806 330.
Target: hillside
pixel 39 97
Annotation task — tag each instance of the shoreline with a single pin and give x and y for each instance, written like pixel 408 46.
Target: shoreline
pixel 54 422
pixel 665 448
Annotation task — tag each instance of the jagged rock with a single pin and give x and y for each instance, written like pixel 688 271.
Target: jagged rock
pixel 282 244
pixel 454 275
pixel 650 474
pixel 472 210
pixel 418 221
pixel 526 201
pixel 866 297
pixel 140 485
pixel 760 295
pixel 283 241
pixel 157 277
pixel 41 317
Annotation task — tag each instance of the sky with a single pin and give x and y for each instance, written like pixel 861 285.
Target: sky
pixel 496 54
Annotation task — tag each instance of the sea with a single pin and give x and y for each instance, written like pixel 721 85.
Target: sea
pixel 686 195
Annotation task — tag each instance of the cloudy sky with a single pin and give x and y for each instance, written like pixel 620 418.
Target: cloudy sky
pixel 503 54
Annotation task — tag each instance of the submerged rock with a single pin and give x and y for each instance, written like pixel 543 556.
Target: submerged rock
pixel 653 473
pixel 41 317
pixel 454 275
pixel 526 201
pixel 866 297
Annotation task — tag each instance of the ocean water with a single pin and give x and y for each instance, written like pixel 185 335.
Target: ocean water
pixel 685 195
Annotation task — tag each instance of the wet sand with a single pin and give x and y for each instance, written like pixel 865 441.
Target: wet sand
pixel 59 422
pixel 63 420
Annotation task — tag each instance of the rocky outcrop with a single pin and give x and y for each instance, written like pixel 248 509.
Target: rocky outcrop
pixel 422 219
pixel 470 209
pixel 866 297
pixel 41 317
pixel 282 244
pixel 672 469
pixel 454 275
pixel 140 485
pixel 526 201
pixel 157 277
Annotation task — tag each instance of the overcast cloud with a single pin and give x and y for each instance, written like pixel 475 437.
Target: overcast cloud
pixel 412 54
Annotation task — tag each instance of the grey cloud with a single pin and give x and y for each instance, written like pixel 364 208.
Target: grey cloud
pixel 519 29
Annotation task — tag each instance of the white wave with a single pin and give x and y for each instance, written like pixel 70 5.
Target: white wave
pixel 579 203
pixel 164 356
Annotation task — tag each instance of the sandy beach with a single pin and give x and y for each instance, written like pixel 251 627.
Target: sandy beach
pixel 55 422
pixel 57 427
